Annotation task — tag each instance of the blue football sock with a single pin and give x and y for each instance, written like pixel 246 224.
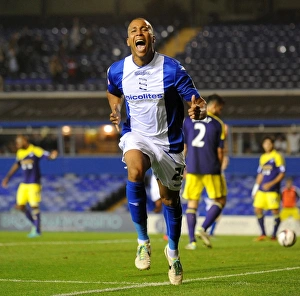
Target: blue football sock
pixel 136 196
pixel 173 218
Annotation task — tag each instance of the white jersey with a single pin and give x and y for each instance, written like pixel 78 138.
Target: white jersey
pixel 153 98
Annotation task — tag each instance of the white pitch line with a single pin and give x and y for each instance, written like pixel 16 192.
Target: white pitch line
pixel 65 282
pixel 68 243
pixel 242 274
pixel 142 285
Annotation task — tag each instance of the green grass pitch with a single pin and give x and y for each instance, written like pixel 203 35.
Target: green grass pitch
pixel 103 263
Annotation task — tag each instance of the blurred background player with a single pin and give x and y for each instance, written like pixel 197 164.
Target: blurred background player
pixel 209 202
pixel 290 195
pixel 204 150
pixel 155 197
pixel 29 191
pixel 266 191
pixel 154 194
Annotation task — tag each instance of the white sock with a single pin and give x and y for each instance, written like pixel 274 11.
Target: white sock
pixel 141 242
pixel 172 253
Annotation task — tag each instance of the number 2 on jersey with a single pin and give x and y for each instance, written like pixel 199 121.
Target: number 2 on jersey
pixel 198 140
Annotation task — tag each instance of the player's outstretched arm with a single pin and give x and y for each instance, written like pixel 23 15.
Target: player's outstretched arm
pixel 10 173
pixel 115 106
pixel 197 108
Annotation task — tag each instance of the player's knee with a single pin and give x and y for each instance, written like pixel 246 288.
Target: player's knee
pixel 193 204
pixel 171 201
pixel 221 202
pixel 35 210
pixel 136 174
pixel 20 208
pixel 191 210
pixel 258 212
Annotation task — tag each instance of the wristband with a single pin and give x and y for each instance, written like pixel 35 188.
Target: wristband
pixel 255 189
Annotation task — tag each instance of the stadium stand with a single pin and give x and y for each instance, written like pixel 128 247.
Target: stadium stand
pixel 225 56
pixel 83 62
pixel 99 192
pixel 244 56
pixel 69 193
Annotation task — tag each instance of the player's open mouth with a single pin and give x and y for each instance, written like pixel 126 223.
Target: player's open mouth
pixel 140 45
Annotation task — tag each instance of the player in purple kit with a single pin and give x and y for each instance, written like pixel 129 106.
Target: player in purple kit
pixel 266 190
pixel 153 87
pixel 29 191
pixel 204 150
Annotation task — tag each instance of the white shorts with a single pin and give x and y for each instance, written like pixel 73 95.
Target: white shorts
pixel 154 189
pixel 167 167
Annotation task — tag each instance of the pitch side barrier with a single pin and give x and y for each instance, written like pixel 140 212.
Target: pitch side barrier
pixel 102 94
pixel 116 222
pixel 113 165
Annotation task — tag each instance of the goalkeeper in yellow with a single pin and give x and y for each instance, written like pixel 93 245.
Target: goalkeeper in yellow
pixel 29 191
pixel 266 191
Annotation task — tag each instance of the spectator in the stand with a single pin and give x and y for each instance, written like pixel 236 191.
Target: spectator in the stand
pixel 37 51
pixel 75 35
pixel 49 142
pixel 13 65
pixel 253 144
pixel 25 46
pixel 293 143
pixel 56 70
pixel 1 83
pixel 280 144
pixel 24 39
pixel 87 44
pixel 72 71
pixel 250 144
pixel 63 47
pixel 2 68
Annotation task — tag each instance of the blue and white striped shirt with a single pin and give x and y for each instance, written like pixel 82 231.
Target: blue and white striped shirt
pixel 153 96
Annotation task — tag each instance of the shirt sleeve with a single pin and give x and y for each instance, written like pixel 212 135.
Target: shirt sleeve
pixel 259 169
pixel 184 84
pixel 222 135
pixel 111 82
pixel 280 163
pixel 18 158
pixel 184 127
pixel 40 152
